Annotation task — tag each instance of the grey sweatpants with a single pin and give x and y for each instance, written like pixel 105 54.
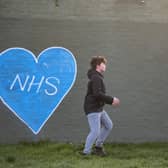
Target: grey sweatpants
pixel 100 126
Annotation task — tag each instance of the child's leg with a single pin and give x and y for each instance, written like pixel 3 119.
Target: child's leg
pixel 106 127
pixel 94 123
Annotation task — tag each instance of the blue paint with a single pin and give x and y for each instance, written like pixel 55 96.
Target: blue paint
pixel 32 88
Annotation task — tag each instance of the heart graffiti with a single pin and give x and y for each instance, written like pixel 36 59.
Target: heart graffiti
pixel 32 88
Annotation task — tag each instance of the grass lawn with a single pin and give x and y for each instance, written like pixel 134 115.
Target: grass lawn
pixel 57 155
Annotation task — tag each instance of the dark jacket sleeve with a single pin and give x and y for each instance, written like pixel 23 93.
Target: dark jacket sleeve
pixel 98 91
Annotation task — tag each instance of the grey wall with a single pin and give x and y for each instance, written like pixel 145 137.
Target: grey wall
pixel 131 34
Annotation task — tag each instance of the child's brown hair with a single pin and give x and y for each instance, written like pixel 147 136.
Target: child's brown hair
pixel 97 60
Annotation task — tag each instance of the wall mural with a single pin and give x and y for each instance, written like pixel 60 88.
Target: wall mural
pixel 32 88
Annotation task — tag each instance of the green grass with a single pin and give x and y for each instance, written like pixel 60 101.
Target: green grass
pixel 57 155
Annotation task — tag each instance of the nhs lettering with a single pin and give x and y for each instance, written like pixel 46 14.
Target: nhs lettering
pixel 33 87
pixel 31 82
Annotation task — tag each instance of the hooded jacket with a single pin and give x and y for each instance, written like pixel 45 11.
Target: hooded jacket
pixel 96 96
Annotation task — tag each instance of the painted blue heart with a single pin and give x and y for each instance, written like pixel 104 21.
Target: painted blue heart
pixel 32 88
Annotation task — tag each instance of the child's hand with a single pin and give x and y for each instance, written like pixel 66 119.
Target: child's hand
pixel 116 101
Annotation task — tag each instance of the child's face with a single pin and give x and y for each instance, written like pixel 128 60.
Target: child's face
pixel 101 67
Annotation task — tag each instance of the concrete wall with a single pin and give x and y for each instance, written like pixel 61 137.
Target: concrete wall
pixel 132 35
pixel 135 10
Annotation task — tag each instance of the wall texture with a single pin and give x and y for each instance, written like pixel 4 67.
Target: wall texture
pixel 135 10
pixel 132 34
